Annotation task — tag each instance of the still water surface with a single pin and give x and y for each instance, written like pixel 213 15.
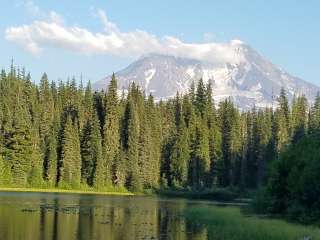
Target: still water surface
pixel 41 216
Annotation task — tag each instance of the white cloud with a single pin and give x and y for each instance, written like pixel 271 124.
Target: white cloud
pixel 52 32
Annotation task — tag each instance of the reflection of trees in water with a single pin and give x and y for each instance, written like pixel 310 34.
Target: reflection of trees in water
pixel 55 221
pixel 171 224
pixel 83 217
pixel 196 231
pixel 86 219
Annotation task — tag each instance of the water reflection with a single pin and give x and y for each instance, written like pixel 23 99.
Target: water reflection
pixel 35 216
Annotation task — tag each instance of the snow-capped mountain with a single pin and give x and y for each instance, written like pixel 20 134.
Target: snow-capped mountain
pixel 251 80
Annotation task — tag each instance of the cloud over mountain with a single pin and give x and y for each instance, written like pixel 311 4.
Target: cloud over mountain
pixel 50 31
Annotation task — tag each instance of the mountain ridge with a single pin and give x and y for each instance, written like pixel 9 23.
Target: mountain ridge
pixel 251 80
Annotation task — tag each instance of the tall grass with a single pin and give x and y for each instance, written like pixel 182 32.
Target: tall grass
pixel 65 189
pixel 217 194
pixel 229 223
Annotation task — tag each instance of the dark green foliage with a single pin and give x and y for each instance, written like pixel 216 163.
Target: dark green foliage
pixel 50 158
pixel 18 148
pixel 293 187
pixel 5 173
pixel 134 181
pixel 214 135
pixel 199 157
pixel 299 118
pixel 293 184
pixel 230 143
pixel 91 154
pixel 46 108
pixel 281 123
pixel 180 152
pixel 201 98
pixel 314 117
pixel 180 156
pixel 111 138
pixel 154 121
pixel 70 162
pixel 65 135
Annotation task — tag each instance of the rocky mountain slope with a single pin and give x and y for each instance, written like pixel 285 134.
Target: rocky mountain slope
pixel 251 80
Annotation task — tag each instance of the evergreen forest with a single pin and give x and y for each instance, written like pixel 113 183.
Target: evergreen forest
pixel 65 135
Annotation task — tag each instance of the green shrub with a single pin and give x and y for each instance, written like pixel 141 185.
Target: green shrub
pixel 293 188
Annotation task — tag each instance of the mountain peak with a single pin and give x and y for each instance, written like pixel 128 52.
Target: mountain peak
pixel 250 81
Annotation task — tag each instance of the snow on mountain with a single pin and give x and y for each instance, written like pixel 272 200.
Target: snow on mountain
pixel 250 80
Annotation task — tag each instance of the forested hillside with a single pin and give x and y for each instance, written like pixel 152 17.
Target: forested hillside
pixel 65 135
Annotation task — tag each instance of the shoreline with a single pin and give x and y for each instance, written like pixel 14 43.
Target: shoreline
pixel 57 190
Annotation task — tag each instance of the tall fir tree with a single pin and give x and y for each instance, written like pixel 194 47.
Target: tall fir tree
pixel 230 139
pixel 70 162
pixel 214 136
pixel 91 153
pixel 134 181
pixel 281 122
pixel 18 143
pixel 50 158
pixel 201 98
pixel 299 118
pixel 199 156
pixel 46 108
pixel 180 155
pixel 111 140
pixel 314 117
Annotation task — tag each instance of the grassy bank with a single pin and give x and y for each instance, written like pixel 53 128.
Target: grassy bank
pixel 218 195
pixel 229 223
pixel 58 190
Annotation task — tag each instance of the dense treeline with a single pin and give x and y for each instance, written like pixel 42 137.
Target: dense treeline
pixel 64 135
pixel 293 187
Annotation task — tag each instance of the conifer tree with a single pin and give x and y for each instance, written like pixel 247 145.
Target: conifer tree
pixel 91 153
pixel 134 181
pixel 87 158
pixel 98 169
pixel 201 98
pixel 299 118
pixel 88 102
pixel 50 158
pixel 314 117
pixel 5 172
pixel 229 127
pixel 214 136
pixel 281 122
pixel 180 155
pixel 46 107
pixel 70 162
pixel 19 146
pixel 155 126
pixel 145 151
pixel 35 176
pixel 199 157
pixel 264 121
pixel 284 105
pixel 111 140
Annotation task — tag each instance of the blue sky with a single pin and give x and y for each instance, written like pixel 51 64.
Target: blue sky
pixel 94 38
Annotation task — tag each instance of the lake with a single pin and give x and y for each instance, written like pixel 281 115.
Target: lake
pixel 33 216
